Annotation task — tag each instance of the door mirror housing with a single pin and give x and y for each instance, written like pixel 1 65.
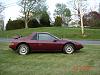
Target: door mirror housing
pixel 55 40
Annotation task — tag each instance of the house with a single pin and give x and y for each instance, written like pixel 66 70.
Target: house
pixel 74 23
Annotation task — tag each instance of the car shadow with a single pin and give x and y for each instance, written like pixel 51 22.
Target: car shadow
pixel 76 52
pixel 44 52
pixel 79 52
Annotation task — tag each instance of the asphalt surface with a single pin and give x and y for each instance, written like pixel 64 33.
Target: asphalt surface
pixel 94 42
pixel 91 42
pixel 5 39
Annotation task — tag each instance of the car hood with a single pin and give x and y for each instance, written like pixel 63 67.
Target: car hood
pixel 72 41
pixel 19 39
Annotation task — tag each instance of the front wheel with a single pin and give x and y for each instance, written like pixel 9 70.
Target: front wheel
pixel 68 49
pixel 23 49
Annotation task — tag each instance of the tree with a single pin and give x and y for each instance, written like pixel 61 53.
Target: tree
pixel 44 19
pixel 1 16
pixel 92 19
pixel 80 8
pixel 1 7
pixel 39 9
pixel 33 23
pixel 1 23
pixel 29 9
pixel 58 21
pixel 99 8
pixel 62 11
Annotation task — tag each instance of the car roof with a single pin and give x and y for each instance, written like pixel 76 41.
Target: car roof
pixel 39 32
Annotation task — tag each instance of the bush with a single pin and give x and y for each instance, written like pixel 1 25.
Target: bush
pixel 58 21
pixel 33 23
pixel 44 20
pixel 15 24
pixel 19 24
pixel 97 23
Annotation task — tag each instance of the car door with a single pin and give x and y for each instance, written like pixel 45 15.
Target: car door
pixel 34 43
pixel 47 42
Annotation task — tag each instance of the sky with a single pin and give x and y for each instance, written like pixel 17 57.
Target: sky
pixel 13 10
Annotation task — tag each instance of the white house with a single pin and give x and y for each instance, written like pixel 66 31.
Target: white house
pixel 74 23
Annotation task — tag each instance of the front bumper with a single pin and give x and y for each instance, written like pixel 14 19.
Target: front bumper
pixel 78 47
pixel 13 45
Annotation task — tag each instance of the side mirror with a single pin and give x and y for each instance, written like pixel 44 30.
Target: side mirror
pixel 18 36
pixel 55 40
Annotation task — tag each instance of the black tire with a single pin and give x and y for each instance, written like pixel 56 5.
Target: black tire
pixel 23 49
pixel 68 49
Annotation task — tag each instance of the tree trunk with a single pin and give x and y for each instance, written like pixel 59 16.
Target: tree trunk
pixel 81 16
pixel 81 19
pixel 26 24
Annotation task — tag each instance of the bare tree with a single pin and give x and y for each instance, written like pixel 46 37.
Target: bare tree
pixel 2 7
pixel 79 7
pixel 30 9
pixel 27 6
pixel 64 12
pixel 99 8
pixel 39 10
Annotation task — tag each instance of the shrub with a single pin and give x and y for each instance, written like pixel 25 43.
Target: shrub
pixel 33 23
pixel 44 20
pixel 15 24
pixel 58 21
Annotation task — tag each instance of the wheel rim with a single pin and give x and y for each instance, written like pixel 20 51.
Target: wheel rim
pixel 23 50
pixel 69 49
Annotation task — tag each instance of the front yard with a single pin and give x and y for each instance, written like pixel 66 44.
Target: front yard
pixel 84 62
pixel 61 32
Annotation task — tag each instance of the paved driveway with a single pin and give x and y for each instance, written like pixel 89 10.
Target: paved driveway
pixel 5 39
pixel 94 42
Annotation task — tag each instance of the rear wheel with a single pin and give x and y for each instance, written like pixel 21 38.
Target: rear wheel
pixel 23 49
pixel 68 49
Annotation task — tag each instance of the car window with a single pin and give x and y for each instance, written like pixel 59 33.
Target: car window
pixel 43 36
pixel 34 37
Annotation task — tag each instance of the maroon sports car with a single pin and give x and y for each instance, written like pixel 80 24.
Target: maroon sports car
pixel 43 41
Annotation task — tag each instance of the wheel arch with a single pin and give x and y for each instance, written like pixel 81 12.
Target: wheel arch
pixel 69 43
pixel 23 43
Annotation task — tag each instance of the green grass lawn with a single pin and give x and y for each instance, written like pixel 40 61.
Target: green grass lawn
pixel 84 62
pixel 70 33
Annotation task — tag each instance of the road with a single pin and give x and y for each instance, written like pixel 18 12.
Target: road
pixel 5 39
pixel 94 42
pixel 91 42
